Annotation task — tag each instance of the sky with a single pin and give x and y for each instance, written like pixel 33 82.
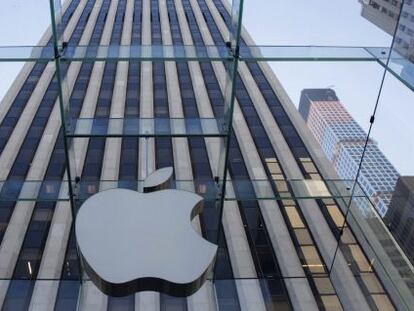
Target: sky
pixel 339 22
pixel 22 22
pixel 277 22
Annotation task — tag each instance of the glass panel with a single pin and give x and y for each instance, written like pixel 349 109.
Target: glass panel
pixel 46 190
pixel 310 188
pixel 389 157
pixel 401 61
pixel 323 116
pixel 68 167
pixel 25 23
pixel 191 53
pixel 32 190
pixel 57 25
pixel 118 143
pixel 205 53
pixel 402 68
pixel 237 7
pixel 227 293
pixel 390 186
pixel 146 127
pixel 313 53
pixel 26 53
pixel 377 262
pixel 324 23
pixel 146 53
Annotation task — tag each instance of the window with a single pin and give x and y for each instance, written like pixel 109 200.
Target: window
pixel 314 263
pixel 303 237
pixel 336 215
pixel 294 217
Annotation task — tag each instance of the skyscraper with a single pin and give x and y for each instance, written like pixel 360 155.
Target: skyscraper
pixel 400 215
pixel 382 13
pixel 385 14
pixel 274 254
pixel 343 141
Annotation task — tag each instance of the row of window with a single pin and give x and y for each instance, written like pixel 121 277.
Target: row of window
pixel 27 266
pixel 304 159
pixel 261 247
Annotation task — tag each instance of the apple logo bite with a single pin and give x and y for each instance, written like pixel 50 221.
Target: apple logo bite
pixel 131 241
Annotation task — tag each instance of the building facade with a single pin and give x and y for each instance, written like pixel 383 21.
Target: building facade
pixel 343 140
pixel 400 215
pixel 385 14
pixel 273 254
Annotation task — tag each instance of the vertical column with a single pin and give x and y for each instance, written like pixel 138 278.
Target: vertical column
pixel 298 288
pixel 146 300
pixel 18 223
pixel 44 293
pixel 91 297
pixel 112 153
pixel 202 299
pixel 344 282
pixel 110 166
pixel 250 296
pixel 147 105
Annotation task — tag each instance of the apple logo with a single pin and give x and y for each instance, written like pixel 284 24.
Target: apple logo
pixel 131 241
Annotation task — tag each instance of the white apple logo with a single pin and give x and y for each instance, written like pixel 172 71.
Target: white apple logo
pixel 131 241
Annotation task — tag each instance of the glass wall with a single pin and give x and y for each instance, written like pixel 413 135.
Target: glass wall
pixel 298 141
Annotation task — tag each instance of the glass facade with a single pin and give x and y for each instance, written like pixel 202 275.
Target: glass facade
pixel 117 89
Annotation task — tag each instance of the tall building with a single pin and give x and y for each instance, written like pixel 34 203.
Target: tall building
pixel 274 254
pixel 400 215
pixel 385 14
pixel 343 141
